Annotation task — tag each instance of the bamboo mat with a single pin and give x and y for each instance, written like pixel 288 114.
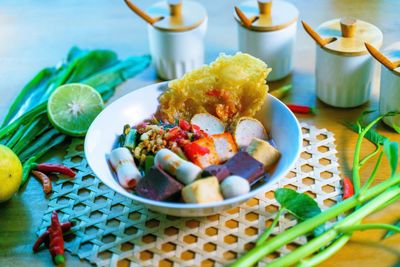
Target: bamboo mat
pixel 114 230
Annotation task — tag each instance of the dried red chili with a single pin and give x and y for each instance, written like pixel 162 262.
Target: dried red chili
pixel 44 180
pixel 56 245
pixel 44 238
pixel 348 188
pixel 301 109
pixel 51 167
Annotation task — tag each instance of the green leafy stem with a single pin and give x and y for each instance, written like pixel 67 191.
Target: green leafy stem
pixel 327 241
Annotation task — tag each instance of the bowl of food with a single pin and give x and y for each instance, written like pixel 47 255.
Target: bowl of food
pixel 197 145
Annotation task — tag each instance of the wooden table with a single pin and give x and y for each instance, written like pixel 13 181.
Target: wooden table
pixel 35 34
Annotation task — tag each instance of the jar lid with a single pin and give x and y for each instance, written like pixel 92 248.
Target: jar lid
pixel 177 15
pixel 350 36
pixel 392 52
pixel 268 15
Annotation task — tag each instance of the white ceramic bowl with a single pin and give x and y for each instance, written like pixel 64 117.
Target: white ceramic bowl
pixel 141 104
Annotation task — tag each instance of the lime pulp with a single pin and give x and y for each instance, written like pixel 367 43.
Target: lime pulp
pixel 73 107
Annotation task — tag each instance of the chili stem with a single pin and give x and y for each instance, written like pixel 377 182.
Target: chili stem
pixel 264 236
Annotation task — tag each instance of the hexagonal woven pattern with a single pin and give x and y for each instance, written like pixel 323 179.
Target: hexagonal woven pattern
pixel 112 229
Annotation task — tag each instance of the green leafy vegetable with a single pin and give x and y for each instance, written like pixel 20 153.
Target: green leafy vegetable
pixel 371 135
pixel 30 95
pixel 301 206
pixel 364 202
pixel 396 128
pixel 391 150
pixel 28 131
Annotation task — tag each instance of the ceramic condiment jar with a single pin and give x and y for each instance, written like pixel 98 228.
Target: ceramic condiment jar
pixel 344 68
pixel 270 34
pixel 389 99
pixel 176 31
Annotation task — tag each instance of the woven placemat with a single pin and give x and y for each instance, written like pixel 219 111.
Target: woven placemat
pixel 112 229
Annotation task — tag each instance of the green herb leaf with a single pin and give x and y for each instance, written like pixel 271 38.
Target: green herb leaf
pixel 391 150
pixel 372 135
pixel 390 233
pixel 299 204
pixel 396 128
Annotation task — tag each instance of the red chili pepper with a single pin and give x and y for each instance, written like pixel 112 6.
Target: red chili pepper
pixel 301 109
pixel 44 179
pixel 348 189
pixel 44 238
pixel 184 125
pixel 56 246
pixel 51 167
pixel 175 134
pixel 193 150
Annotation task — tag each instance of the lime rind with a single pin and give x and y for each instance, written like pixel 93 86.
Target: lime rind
pixel 73 107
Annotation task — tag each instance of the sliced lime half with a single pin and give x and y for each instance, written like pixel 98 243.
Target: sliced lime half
pixel 73 107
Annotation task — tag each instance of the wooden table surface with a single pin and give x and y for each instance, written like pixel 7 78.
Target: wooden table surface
pixel 35 34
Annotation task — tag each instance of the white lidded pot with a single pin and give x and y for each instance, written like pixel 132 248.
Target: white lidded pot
pixel 344 68
pixel 177 37
pixel 389 99
pixel 270 34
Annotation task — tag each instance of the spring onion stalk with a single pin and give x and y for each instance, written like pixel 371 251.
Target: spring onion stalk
pixel 16 137
pixel 27 117
pixel 41 141
pixel 38 127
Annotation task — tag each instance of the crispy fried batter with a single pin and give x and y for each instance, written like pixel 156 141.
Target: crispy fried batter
pixel 230 87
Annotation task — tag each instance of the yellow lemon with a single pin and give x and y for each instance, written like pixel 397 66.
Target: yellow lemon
pixel 10 173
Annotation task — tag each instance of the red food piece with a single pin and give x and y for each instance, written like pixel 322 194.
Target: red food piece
pixel 56 246
pixel 348 188
pixel 184 125
pixel 301 109
pixel 175 134
pixel 51 167
pixel 44 180
pixel 198 133
pixel 44 238
pixel 202 152
pixel 213 92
